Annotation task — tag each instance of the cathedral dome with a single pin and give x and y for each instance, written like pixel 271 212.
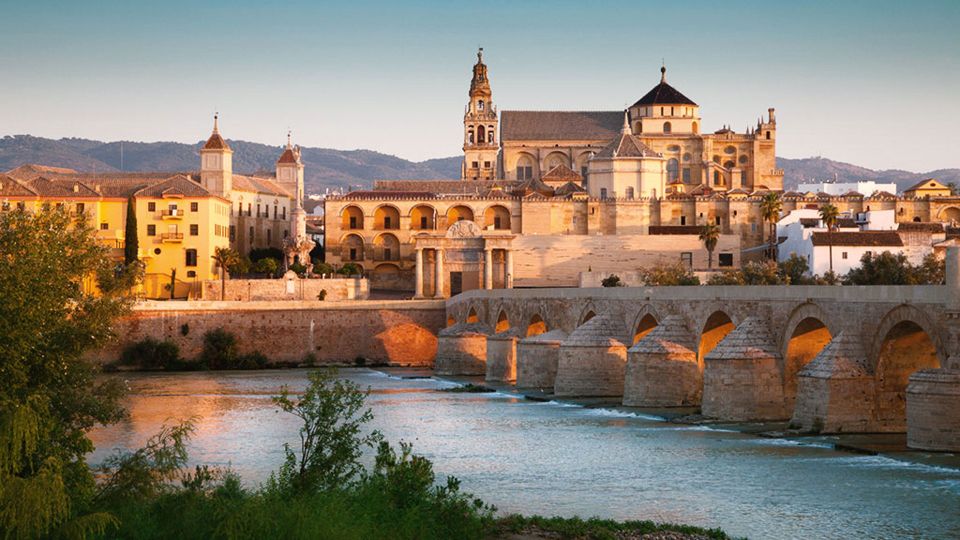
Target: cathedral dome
pixel 664 94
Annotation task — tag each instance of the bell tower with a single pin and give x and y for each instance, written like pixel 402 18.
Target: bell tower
pixel 480 144
pixel 216 163
pixel 290 171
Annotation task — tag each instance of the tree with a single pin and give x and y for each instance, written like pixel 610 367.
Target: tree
pixel 794 270
pixel 224 257
pixel 131 243
pixel 672 274
pixel 770 208
pixel 612 280
pixel 331 441
pixel 830 216
pixel 710 235
pixel 266 265
pixel 894 269
pixel 50 395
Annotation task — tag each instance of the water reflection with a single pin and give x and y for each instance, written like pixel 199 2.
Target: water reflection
pixel 549 458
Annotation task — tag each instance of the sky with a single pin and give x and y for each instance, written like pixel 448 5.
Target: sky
pixel 874 83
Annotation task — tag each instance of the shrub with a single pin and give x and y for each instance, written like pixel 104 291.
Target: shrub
pixel 794 270
pixel 322 269
pixel 349 269
pixel 266 266
pixel 254 360
pixel 762 273
pixel 612 281
pixel 669 274
pixel 727 277
pixel 219 349
pixel 298 269
pixel 151 353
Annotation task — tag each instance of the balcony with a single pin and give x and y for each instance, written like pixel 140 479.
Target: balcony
pixel 172 213
pixel 172 237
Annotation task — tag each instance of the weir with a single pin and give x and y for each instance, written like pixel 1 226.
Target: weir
pixel 829 359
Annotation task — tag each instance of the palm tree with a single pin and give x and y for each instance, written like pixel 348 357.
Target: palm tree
pixel 224 257
pixel 830 215
pixel 709 235
pixel 770 208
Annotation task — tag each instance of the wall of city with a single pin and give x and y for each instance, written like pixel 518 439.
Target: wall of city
pixel 255 290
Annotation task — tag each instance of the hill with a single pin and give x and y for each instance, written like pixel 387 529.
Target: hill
pixel 329 168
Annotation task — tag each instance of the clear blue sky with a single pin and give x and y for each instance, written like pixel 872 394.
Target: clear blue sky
pixel 874 83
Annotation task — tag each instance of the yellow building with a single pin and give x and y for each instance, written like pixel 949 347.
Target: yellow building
pixel 182 218
pixel 927 188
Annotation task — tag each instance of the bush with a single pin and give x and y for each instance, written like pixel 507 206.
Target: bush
pixel 150 353
pixel 267 266
pixel 254 360
pixel 322 269
pixel 670 274
pixel 219 350
pixel 298 269
pixel 727 277
pixel 612 281
pixel 349 269
pixel 762 273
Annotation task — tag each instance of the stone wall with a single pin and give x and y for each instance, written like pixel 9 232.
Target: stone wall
pixel 287 288
pixel 392 332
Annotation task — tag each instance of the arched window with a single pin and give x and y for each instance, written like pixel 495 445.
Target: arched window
pixel 696 128
pixel 630 192
pixel 667 128
pixel 673 169
pixel 480 134
pixel 490 134
pixel 480 105
pixel 470 136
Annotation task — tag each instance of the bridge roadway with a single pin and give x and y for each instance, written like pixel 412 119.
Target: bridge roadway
pixel 850 359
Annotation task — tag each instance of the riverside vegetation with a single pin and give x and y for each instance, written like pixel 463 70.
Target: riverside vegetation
pixel 61 295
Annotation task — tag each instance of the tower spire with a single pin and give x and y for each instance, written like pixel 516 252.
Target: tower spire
pixel 663 73
pixel 626 123
pixel 289 145
pixel 216 128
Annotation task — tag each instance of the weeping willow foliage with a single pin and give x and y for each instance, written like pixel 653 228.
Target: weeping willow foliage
pixel 50 314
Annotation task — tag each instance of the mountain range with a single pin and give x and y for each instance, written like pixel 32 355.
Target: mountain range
pixel 327 168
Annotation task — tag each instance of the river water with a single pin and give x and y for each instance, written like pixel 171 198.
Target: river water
pixel 556 459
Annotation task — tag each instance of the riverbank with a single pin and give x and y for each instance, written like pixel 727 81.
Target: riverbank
pixel 892 445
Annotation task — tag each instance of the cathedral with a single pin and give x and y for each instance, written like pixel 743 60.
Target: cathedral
pixel 545 196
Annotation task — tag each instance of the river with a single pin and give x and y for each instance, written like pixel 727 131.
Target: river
pixel 560 459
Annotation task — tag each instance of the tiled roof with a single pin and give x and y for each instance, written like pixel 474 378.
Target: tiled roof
pixel 534 185
pixel 568 189
pixel 257 184
pixel 883 195
pixel 929 183
pixel 287 156
pixel 31 170
pixel 46 187
pixel 921 226
pixel 560 125
pixel 861 238
pixel 216 142
pixel 627 146
pixel 366 194
pixel 10 187
pixel 442 187
pixel 175 185
pixel 664 94
pixel 846 223
pixel 562 173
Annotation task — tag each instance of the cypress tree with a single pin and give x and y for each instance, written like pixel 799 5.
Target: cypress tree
pixel 131 244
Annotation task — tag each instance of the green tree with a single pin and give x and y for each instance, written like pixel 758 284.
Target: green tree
pixel 770 207
pixel 131 242
pixel 224 257
pixel 220 350
pixel 727 277
pixel 794 270
pixel 710 235
pixel 331 438
pixel 671 274
pixel 830 215
pixel 612 280
pixel 894 269
pixel 50 395
pixel 762 273
pixel 267 266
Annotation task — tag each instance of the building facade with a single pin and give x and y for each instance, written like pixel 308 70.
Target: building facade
pixel 182 218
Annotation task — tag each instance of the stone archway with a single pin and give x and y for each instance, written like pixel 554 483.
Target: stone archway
pixel 906 347
pixel 503 322
pixel 807 333
pixel 536 326
pixel 472 316
pixel 646 322
pixel 712 332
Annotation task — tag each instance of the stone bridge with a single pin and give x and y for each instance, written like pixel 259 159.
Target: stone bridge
pixel 828 359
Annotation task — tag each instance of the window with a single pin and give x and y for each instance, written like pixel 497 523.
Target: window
pixel 233 233
pixel 156 251
pixel 353 254
pixel 80 207
pixel 717 220
pixel 194 229
pixel 151 230
pixel 274 211
pixel 258 210
pixel 386 254
pixel 603 193
pixel 496 222
pixel 269 236
pixel 686 259
pixel 525 172
pixel 251 237
pixel 194 206
pixel 191 257
pixel 386 222
pixel 686 175
pixel 286 233
pixel 191 273
pixel 583 171
pixel 683 220
pixel 353 222
pixel 480 105
pixel 843 255
pixel 152 206
pixel 486 164
pixel 667 128
pixel 768 135
pixel 673 169
pixel 725 259
pixel 423 222
pixel 475 164
pixel 249 208
pixel 671 111
pixel 630 192
pixel 104 226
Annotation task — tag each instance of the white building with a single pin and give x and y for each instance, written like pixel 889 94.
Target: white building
pixel 801 232
pixel 865 188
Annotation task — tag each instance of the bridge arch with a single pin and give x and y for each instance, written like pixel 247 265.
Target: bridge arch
pixel 536 326
pixel 645 322
pixel 451 320
pixel 712 331
pixel 503 322
pixel 806 333
pixel 472 316
pixel 906 341
pixel 587 313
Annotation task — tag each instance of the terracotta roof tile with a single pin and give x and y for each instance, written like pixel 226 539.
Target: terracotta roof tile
pixel 562 173
pixel 921 226
pixel 861 238
pixel 176 185
pixel 11 187
pixel 216 142
pixel 627 146
pixel 560 125
pixel 674 229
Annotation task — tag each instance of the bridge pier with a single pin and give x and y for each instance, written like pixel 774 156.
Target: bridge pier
pixel 933 410
pixel 462 350
pixel 537 358
pixel 741 379
pixel 502 355
pixel 835 391
pixel 593 359
pixel 662 368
